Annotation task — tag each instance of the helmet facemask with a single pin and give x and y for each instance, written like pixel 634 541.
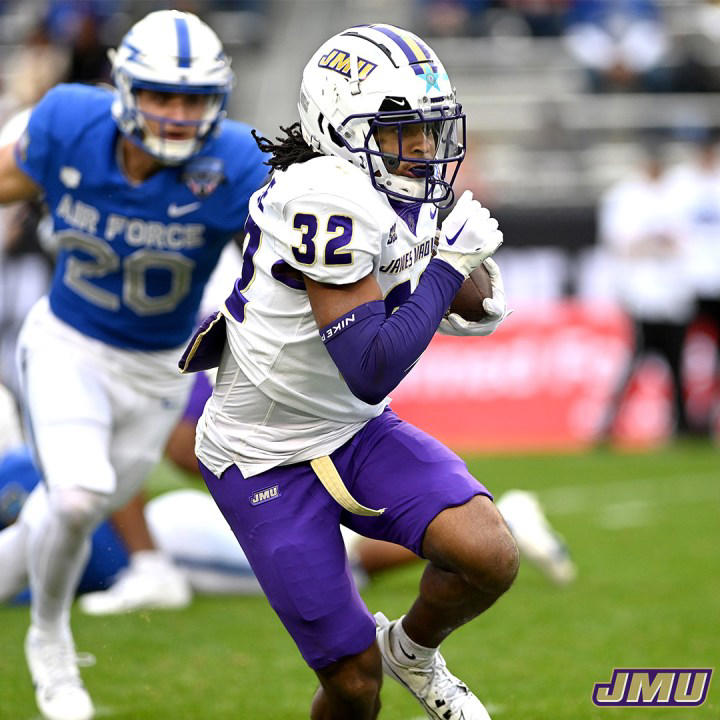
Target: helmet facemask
pixel 170 151
pixel 415 154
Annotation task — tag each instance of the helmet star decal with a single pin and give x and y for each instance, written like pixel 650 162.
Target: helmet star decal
pixel 431 78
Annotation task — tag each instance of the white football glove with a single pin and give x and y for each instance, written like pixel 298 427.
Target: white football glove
pixel 469 235
pixel 494 307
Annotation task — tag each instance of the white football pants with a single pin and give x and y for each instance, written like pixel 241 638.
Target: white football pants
pixel 98 418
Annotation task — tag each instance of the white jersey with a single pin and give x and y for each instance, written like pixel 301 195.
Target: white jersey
pixel 279 398
pixel 694 197
pixel 636 226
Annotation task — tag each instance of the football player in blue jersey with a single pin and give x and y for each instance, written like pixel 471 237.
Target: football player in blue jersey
pixel 145 185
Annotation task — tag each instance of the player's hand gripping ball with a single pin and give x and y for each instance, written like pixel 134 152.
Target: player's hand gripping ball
pixel 486 306
pixel 468 302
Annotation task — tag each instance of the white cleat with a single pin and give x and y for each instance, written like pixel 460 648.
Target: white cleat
pixel 535 537
pixel 151 582
pixel 442 695
pixel 59 691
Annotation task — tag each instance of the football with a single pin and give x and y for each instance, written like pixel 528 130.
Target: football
pixel 469 298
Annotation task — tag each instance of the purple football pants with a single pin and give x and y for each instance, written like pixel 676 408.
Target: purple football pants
pixel 288 526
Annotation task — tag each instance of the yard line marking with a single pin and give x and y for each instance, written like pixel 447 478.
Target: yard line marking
pixel 578 499
pixel 618 516
pixel 494 708
pixel 105 711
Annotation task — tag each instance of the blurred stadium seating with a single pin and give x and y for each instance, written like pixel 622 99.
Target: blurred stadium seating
pixel 540 140
pixel 542 149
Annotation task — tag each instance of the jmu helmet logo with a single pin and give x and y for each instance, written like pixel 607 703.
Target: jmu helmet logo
pixel 657 687
pixel 262 496
pixel 339 61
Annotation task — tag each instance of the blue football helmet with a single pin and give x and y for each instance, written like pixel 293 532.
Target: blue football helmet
pixel 174 52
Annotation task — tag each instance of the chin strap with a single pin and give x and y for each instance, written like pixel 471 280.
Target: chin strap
pixel 447 192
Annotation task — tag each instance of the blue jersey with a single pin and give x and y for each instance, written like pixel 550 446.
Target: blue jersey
pixel 133 258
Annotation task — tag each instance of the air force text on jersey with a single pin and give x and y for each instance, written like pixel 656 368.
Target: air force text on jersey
pixel 133 258
pixel 134 231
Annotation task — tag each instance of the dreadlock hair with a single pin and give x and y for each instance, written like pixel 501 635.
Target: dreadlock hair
pixel 287 150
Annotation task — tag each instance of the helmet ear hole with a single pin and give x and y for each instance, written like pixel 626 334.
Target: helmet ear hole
pixel 331 131
pixel 335 137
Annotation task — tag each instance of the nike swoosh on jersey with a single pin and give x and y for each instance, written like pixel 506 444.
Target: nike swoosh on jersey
pixel 433 213
pixel 178 210
pixel 451 240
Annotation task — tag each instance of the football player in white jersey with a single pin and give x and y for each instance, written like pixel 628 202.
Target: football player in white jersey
pixel 145 186
pixel 342 289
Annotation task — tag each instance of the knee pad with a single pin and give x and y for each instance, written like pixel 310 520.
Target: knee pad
pixel 78 509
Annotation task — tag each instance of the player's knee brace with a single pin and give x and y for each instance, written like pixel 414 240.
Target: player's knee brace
pixel 78 509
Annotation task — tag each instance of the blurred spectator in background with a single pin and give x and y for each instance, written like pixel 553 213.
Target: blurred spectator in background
pixel 539 18
pixel 32 70
pixel 89 62
pixel 696 49
pixel 621 43
pixel 25 264
pixel 544 18
pixel 454 17
pixel 78 25
pixel 635 227
pixel 694 198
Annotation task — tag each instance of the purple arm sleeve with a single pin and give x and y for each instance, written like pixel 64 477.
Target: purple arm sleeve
pixel 374 352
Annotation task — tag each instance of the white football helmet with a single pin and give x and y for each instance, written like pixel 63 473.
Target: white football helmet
pixel 371 77
pixel 174 52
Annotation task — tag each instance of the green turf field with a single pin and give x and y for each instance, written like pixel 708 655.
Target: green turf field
pixel 643 528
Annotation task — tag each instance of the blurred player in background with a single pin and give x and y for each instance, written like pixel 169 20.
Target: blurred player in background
pixel 145 186
pixel 694 199
pixel 340 294
pixel 636 227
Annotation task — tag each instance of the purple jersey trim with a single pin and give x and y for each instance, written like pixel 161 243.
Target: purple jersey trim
pixel 409 212
pixel 206 346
